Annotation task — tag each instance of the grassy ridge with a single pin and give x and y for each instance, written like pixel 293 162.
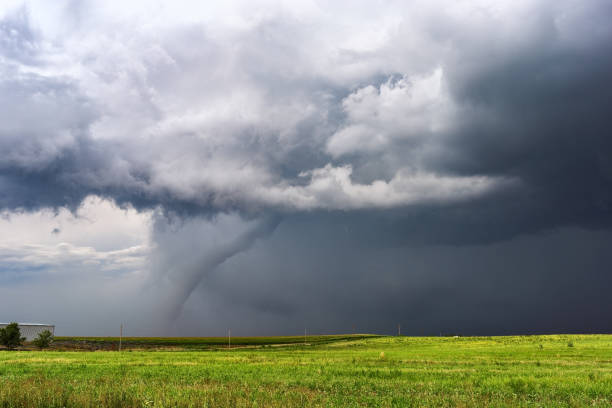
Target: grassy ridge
pixel 528 371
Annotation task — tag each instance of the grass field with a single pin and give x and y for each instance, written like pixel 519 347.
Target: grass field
pixel 530 371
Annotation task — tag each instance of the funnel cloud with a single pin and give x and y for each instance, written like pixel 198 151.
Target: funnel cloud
pixel 184 266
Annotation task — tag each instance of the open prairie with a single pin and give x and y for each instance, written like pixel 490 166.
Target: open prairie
pixel 529 371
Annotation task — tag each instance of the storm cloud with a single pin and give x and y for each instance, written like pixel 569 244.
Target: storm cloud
pixel 443 164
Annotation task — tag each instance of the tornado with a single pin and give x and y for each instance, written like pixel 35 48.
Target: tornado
pixel 185 271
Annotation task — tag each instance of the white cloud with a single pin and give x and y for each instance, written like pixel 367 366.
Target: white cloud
pixel 332 188
pixel 207 103
pixel 412 108
pixel 99 239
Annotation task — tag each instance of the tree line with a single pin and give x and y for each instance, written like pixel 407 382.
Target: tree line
pixel 10 337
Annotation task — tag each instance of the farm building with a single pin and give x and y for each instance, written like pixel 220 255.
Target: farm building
pixel 31 330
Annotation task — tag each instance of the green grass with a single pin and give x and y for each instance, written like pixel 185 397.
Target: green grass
pixel 517 371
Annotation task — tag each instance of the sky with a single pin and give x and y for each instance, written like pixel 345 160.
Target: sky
pixel 186 167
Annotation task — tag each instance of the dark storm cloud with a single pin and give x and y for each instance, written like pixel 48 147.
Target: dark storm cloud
pixel 442 170
pixel 309 274
pixel 541 115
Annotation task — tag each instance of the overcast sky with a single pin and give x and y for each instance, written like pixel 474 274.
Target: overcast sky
pixel 185 167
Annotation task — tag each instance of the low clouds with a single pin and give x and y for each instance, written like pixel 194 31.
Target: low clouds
pixel 332 188
pixel 66 258
pixel 413 123
pixel 98 238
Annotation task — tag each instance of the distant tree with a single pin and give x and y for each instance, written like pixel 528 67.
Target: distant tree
pixel 44 339
pixel 10 336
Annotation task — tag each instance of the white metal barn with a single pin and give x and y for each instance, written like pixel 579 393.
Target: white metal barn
pixel 31 330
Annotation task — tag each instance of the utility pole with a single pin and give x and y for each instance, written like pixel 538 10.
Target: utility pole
pixel 229 338
pixel 304 336
pixel 399 329
pixel 120 335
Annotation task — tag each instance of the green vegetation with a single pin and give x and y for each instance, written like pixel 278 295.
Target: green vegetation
pixel 528 371
pixel 10 336
pixel 43 340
